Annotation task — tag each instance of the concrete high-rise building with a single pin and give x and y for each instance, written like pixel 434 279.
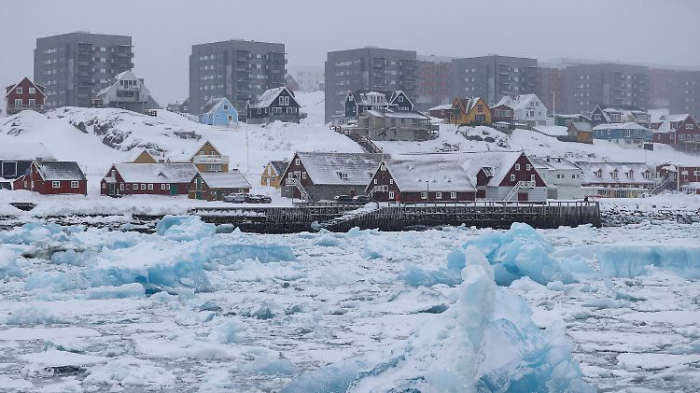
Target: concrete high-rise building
pixel 549 89
pixel 684 94
pixel 368 69
pixel 74 67
pixel 236 69
pixel 587 85
pixel 493 77
pixel 433 82
pixel 309 78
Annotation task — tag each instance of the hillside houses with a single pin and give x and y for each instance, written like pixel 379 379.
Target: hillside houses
pixel 617 179
pixel 563 177
pixel 16 158
pixel 389 125
pixel 148 179
pixel 678 130
pixel 219 112
pixel 602 114
pixel 358 101
pixel 278 104
pixel 25 95
pixel 207 158
pixel 627 135
pixel 470 111
pixel 125 91
pixel 272 174
pixel 527 109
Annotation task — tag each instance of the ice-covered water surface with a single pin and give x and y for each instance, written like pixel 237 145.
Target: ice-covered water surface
pixel 190 310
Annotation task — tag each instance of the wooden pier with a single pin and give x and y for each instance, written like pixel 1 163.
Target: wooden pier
pixel 401 217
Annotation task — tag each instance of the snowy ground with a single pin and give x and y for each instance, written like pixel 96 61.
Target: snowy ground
pixel 310 312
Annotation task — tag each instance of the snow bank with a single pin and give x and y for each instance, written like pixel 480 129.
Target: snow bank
pixel 130 371
pixel 485 342
pixel 33 315
pixel 633 260
pixel 227 332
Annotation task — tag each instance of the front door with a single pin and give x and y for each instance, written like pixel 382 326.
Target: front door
pixel 112 189
pixel 173 189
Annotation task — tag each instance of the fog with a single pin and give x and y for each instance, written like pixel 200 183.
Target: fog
pixel 163 31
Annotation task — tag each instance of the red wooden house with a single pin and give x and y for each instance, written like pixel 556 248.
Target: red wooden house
pixel 53 177
pixel 504 176
pixel 426 178
pixel 24 95
pixel 148 179
pixel 677 130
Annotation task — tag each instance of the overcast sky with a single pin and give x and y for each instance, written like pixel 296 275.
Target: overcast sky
pixel 163 31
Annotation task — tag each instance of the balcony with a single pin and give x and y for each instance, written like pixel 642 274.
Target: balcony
pixel 221 160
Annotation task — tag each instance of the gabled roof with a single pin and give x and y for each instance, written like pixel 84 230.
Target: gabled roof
pixel 137 153
pixel 279 166
pixel 607 168
pixel 395 94
pixel 519 102
pixel 269 96
pixel 38 87
pixel 214 104
pixel 361 96
pixel 582 126
pixel 553 163
pixel 218 180
pixel 126 75
pixel 498 163
pixel 441 107
pixel 187 155
pixel 24 152
pixel 419 174
pixel 156 173
pixel 340 168
pixel 467 104
pixel 388 113
pixel 60 170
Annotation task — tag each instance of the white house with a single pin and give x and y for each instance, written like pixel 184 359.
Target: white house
pixel 126 92
pixel 527 109
pixel 562 176
pixel 617 179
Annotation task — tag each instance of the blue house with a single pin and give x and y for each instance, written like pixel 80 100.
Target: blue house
pixel 219 112
pixel 629 134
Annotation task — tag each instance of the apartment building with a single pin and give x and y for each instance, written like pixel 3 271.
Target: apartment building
pixel 369 68
pixel 309 78
pixel 238 70
pixel 493 77
pixel 73 67
pixel 433 82
pixel 587 85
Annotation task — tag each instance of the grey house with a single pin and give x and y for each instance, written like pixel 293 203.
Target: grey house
pixel 126 92
pixel 238 70
pixel 315 176
pixel 389 125
pixel 73 67
pixel 370 69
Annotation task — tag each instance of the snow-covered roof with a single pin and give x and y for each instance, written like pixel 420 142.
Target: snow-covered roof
pixel 138 152
pixel 441 107
pixel 582 126
pixel 126 75
pixel 619 126
pixel 340 168
pixel 279 166
pixel 519 102
pixel 553 163
pixel 675 118
pixel 414 175
pixel 60 170
pixel 269 96
pixel 214 104
pixel 38 87
pixel 188 154
pixel 24 152
pixel 498 163
pixel 396 115
pixel 590 169
pixel 233 179
pixel 551 130
pixel 157 173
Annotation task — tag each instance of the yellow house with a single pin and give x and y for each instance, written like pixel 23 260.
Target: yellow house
pixel 470 111
pixel 207 158
pixel 272 174
pixel 143 157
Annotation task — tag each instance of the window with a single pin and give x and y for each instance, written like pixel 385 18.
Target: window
pixel 532 178
pixel 150 187
pixel 376 181
pixel 391 181
pixel 143 187
pixel 423 195
pixel 259 111
pixel 134 186
pixel 32 90
pixel 167 186
pixel 689 126
pixel 303 175
pixel 512 177
pixel 400 98
pixel 121 186
pixel 382 168
pixel 162 187
pixel 230 118
pixel 614 174
pixel 528 167
pixel 596 116
pixel 19 90
pixel 438 195
pixel 18 102
pixel 391 194
pixel 32 102
pixel 281 100
pixel 453 195
pixel 225 107
pixel 297 162
pixel 74 184
pixel 517 167
pixel 55 184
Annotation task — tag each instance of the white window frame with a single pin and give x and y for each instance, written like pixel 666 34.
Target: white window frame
pixel 517 167
pixel 32 90
pixel 167 186
pixel 297 162
pixel 528 167
pixel 424 195
pixel 391 195
pixel 512 177
pixel 162 187
pixel 150 187
pixel 55 184
pixel 376 181
pixel 438 195
pixel 74 184
pixel 453 195
pixel 303 175
pixel 391 181
pixel 532 178
pixel 19 90
pixel 143 187
pixel 689 126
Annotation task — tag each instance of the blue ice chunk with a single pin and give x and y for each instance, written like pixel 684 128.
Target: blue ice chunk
pixel 416 277
pixel 70 257
pixel 327 240
pixel 230 253
pixel 56 282
pixel 184 228
pixel 330 379
pixel 33 315
pixel 121 292
pixel 227 332
pixel 34 232
pixel 269 364
pixel 456 260
pixel 8 264
pixel 632 261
